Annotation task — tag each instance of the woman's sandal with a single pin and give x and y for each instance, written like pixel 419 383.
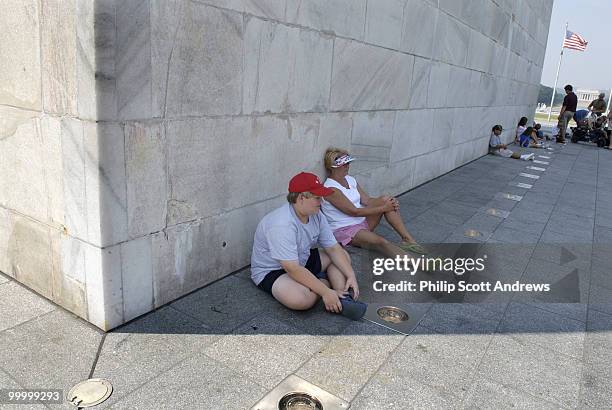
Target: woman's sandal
pixel 413 247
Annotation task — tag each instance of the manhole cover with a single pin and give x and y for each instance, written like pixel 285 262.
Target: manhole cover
pixel 392 314
pixel 472 233
pixel 299 401
pixel 90 393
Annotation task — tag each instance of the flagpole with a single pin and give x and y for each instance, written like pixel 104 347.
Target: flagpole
pixel 552 99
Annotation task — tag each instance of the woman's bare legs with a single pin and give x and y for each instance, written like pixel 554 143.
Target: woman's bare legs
pixel 393 217
pixel 372 241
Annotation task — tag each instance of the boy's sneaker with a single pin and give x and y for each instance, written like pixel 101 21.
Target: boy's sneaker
pixel 351 308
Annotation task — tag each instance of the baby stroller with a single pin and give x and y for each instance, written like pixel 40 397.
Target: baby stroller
pixel 589 128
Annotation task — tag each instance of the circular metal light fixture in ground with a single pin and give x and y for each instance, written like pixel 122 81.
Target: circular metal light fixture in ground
pixel 90 393
pixel 472 233
pixel 392 314
pixel 299 401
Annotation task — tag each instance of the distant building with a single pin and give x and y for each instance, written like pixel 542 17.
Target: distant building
pixel 586 96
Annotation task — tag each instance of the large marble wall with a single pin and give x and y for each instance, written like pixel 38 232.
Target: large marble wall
pixel 206 108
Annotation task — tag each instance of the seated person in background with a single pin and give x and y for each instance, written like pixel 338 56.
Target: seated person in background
pixel 497 148
pixel 529 139
pixel 286 262
pixel 520 128
pixel 353 215
pixel 539 133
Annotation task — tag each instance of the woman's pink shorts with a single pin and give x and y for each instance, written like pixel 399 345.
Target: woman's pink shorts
pixel 346 234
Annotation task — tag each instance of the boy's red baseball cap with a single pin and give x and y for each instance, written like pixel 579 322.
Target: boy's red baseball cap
pixel 307 182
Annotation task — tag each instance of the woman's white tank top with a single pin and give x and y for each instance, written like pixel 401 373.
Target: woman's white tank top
pixel 336 218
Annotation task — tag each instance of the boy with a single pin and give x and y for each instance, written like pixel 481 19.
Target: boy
pixel 286 262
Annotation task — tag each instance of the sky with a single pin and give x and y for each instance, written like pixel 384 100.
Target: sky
pixel 589 69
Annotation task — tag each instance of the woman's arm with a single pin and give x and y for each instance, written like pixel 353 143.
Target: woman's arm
pixel 365 198
pixel 341 202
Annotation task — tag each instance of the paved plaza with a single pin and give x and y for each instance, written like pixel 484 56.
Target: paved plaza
pixel 228 345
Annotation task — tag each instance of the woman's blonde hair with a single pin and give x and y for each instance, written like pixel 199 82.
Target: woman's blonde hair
pixel 330 156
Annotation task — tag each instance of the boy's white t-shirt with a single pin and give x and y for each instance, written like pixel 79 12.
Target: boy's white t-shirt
pixel 336 218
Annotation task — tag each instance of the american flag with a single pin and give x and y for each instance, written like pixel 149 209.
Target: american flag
pixel 574 41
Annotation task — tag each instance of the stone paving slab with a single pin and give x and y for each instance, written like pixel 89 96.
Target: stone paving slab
pixel 265 340
pixel 486 393
pixel 141 350
pixel 530 325
pixel 18 305
pixel 347 362
pixel 55 351
pixel 199 383
pixel 539 372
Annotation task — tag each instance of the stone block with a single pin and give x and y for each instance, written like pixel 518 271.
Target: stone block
pixel 342 17
pixel 452 38
pixel 420 83
pixel 436 95
pixel 272 9
pixel 196 168
pixel 51 134
pixel 432 165
pixel 373 128
pixel 196 59
pixel 133 62
pixel 384 23
pixel 137 277
pixel 145 160
pixel 6 229
pixel 286 69
pixel 105 42
pixel 191 255
pixel 106 183
pixel 334 130
pixel 73 157
pixel 86 57
pixel 22 181
pixel 29 254
pixel 418 28
pixel 439 136
pixel 410 133
pixel 391 179
pixel 68 273
pixel 457 94
pixel 480 52
pixel 369 78
pixel 58 54
pixel 104 286
pixel 20 75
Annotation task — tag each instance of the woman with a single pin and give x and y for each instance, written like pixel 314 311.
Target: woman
pixel 520 128
pixel 353 215
pixel 496 147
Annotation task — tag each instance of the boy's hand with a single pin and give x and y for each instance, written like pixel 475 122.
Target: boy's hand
pixel 332 301
pixel 352 283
